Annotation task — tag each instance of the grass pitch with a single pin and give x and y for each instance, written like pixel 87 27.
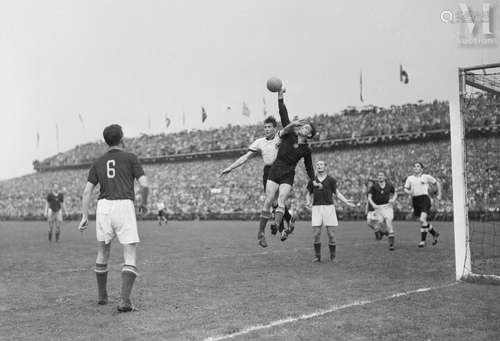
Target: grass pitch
pixel 210 280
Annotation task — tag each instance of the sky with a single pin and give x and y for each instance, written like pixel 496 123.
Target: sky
pixel 133 62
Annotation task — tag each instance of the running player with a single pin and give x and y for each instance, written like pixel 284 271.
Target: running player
pixel 323 209
pixel 417 186
pixel 293 147
pixel 372 219
pixel 382 197
pixel 54 210
pixel 162 215
pixel 115 173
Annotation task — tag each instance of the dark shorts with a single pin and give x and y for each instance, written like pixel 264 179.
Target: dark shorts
pixel 161 213
pixel 282 175
pixel 421 203
pixel 265 176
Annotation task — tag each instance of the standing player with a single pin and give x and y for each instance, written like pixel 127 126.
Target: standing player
pixel 54 210
pixel 162 215
pixel 115 172
pixel 382 197
pixel 417 185
pixel 323 209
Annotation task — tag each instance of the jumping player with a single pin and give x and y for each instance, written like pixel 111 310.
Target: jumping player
pixel 417 186
pixel 323 209
pixel 162 215
pixel 382 197
pixel 267 147
pixel 54 210
pixel 293 147
pixel 115 172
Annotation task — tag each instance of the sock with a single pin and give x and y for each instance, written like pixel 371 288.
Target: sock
pixel 101 273
pixel 317 250
pixel 129 273
pixel 287 216
pixel 423 233
pixel 332 250
pixel 278 216
pixel 264 217
pixel 431 230
pixel 391 239
pixel 57 236
pixel 50 236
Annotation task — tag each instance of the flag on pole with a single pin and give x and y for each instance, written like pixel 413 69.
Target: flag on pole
pixel 167 121
pixel 37 139
pixel 245 111
pixel 403 75
pixel 264 110
pixel 361 86
pixel 203 114
pixel 57 137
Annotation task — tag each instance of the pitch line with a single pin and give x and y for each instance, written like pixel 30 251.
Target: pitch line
pixel 322 312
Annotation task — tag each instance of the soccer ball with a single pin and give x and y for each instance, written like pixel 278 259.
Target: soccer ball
pixel 274 84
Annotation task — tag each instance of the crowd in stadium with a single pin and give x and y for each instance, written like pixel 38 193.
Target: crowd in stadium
pixel 351 123
pixel 197 190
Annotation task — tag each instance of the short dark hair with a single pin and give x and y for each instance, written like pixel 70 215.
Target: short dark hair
pixel 313 130
pixel 271 120
pixel 113 135
pixel 419 163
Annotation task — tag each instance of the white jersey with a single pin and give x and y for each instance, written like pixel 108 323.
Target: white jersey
pixel 268 148
pixel 160 206
pixel 419 185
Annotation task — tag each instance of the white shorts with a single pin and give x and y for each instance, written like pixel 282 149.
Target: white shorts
pixel 373 218
pixel 324 215
pixel 116 218
pixel 385 212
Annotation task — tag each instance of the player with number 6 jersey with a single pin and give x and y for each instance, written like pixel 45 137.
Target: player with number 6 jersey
pixel 115 173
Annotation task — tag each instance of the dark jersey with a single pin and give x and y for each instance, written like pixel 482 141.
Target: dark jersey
pixel 324 195
pixel 55 201
pixel 115 172
pixel 290 151
pixel 381 196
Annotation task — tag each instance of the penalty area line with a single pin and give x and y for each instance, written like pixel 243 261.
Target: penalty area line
pixel 322 312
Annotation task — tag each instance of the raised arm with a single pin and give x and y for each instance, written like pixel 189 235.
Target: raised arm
pixel 285 120
pixel 309 166
pixel 244 158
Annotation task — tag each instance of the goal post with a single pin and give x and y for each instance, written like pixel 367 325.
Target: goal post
pixel 475 155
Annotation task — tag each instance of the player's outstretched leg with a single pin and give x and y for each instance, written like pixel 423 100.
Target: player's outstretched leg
pixel 101 271
pixel 317 243
pixel 331 242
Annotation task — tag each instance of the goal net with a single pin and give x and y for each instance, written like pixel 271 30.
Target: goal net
pixel 478 254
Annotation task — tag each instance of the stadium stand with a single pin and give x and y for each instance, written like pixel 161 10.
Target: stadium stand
pixel 183 167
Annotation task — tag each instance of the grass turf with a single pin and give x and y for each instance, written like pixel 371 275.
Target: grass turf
pixel 205 279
